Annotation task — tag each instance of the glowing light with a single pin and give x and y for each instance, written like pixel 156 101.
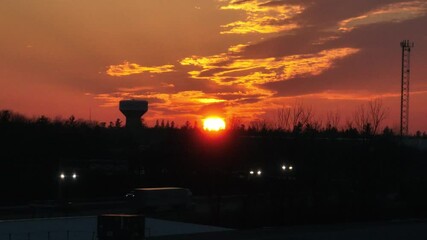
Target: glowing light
pixel 213 124
pixel 251 172
pixel 210 100
pixel 62 176
pixel 74 176
pixel 283 167
pixel 290 168
pixel 259 172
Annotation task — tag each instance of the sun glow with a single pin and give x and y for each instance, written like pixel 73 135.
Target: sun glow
pixel 213 124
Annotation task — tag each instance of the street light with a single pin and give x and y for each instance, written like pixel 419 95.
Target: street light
pixel 251 172
pixel 62 176
pixel 283 167
pixel 259 172
pixel 290 168
pixel 74 176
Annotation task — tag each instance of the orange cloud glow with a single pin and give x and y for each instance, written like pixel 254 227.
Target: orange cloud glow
pixel 229 69
pixel 127 68
pixel 233 70
pixel 261 17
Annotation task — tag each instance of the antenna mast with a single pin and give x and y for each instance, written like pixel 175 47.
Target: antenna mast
pixel 404 98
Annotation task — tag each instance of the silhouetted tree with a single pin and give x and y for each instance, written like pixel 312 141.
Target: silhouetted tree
pixel 5 116
pixel 373 115
pixel 367 130
pixel 102 124
pixel 333 119
pixel 234 123
pixel 297 129
pixel 388 132
pixel 301 114
pixel 360 117
pixel 42 121
pixel 377 114
pixel 283 120
pixel 260 125
pixel 71 121
pixel 187 125
pixel 118 123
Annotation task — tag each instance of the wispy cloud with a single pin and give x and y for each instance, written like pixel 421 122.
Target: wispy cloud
pixel 128 68
pixel 250 74
pixel 262 16
pixel 395 12
pixel 226 69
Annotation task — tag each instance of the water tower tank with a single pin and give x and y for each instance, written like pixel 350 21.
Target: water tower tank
pixel 133 110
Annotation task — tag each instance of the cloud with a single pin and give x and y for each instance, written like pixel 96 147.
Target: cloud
pixel 394 12
pixel 314 61
pixel 135 89
pixel 229 70
pixel 250 75
pixel 127 68
pixel 262 16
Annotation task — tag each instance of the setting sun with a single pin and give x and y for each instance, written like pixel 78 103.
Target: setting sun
pixel 213 124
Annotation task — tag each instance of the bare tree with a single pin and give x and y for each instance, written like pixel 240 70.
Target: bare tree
pixel 361 118
pixel 283 118
pixel 377 114
pixel 349 124
pixel 234 123
pixel 260 125
pixel 297 115
pixel 301 114
pixel 370 117
pixel 316 124
pixel 333 119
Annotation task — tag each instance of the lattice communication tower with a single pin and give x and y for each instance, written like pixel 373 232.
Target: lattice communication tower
pixel 404 99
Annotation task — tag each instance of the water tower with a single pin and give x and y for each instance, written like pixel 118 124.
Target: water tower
pixel 133 110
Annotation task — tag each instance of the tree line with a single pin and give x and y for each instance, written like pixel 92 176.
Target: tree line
pixel 367 120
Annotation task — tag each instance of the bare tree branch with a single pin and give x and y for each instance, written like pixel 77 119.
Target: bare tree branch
pixel 377 114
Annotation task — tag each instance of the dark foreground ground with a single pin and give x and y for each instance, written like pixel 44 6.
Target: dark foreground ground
pixel 232 211
pixel 411 230
pixel 227 212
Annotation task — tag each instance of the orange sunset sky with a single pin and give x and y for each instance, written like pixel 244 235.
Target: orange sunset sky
pixel 192 58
